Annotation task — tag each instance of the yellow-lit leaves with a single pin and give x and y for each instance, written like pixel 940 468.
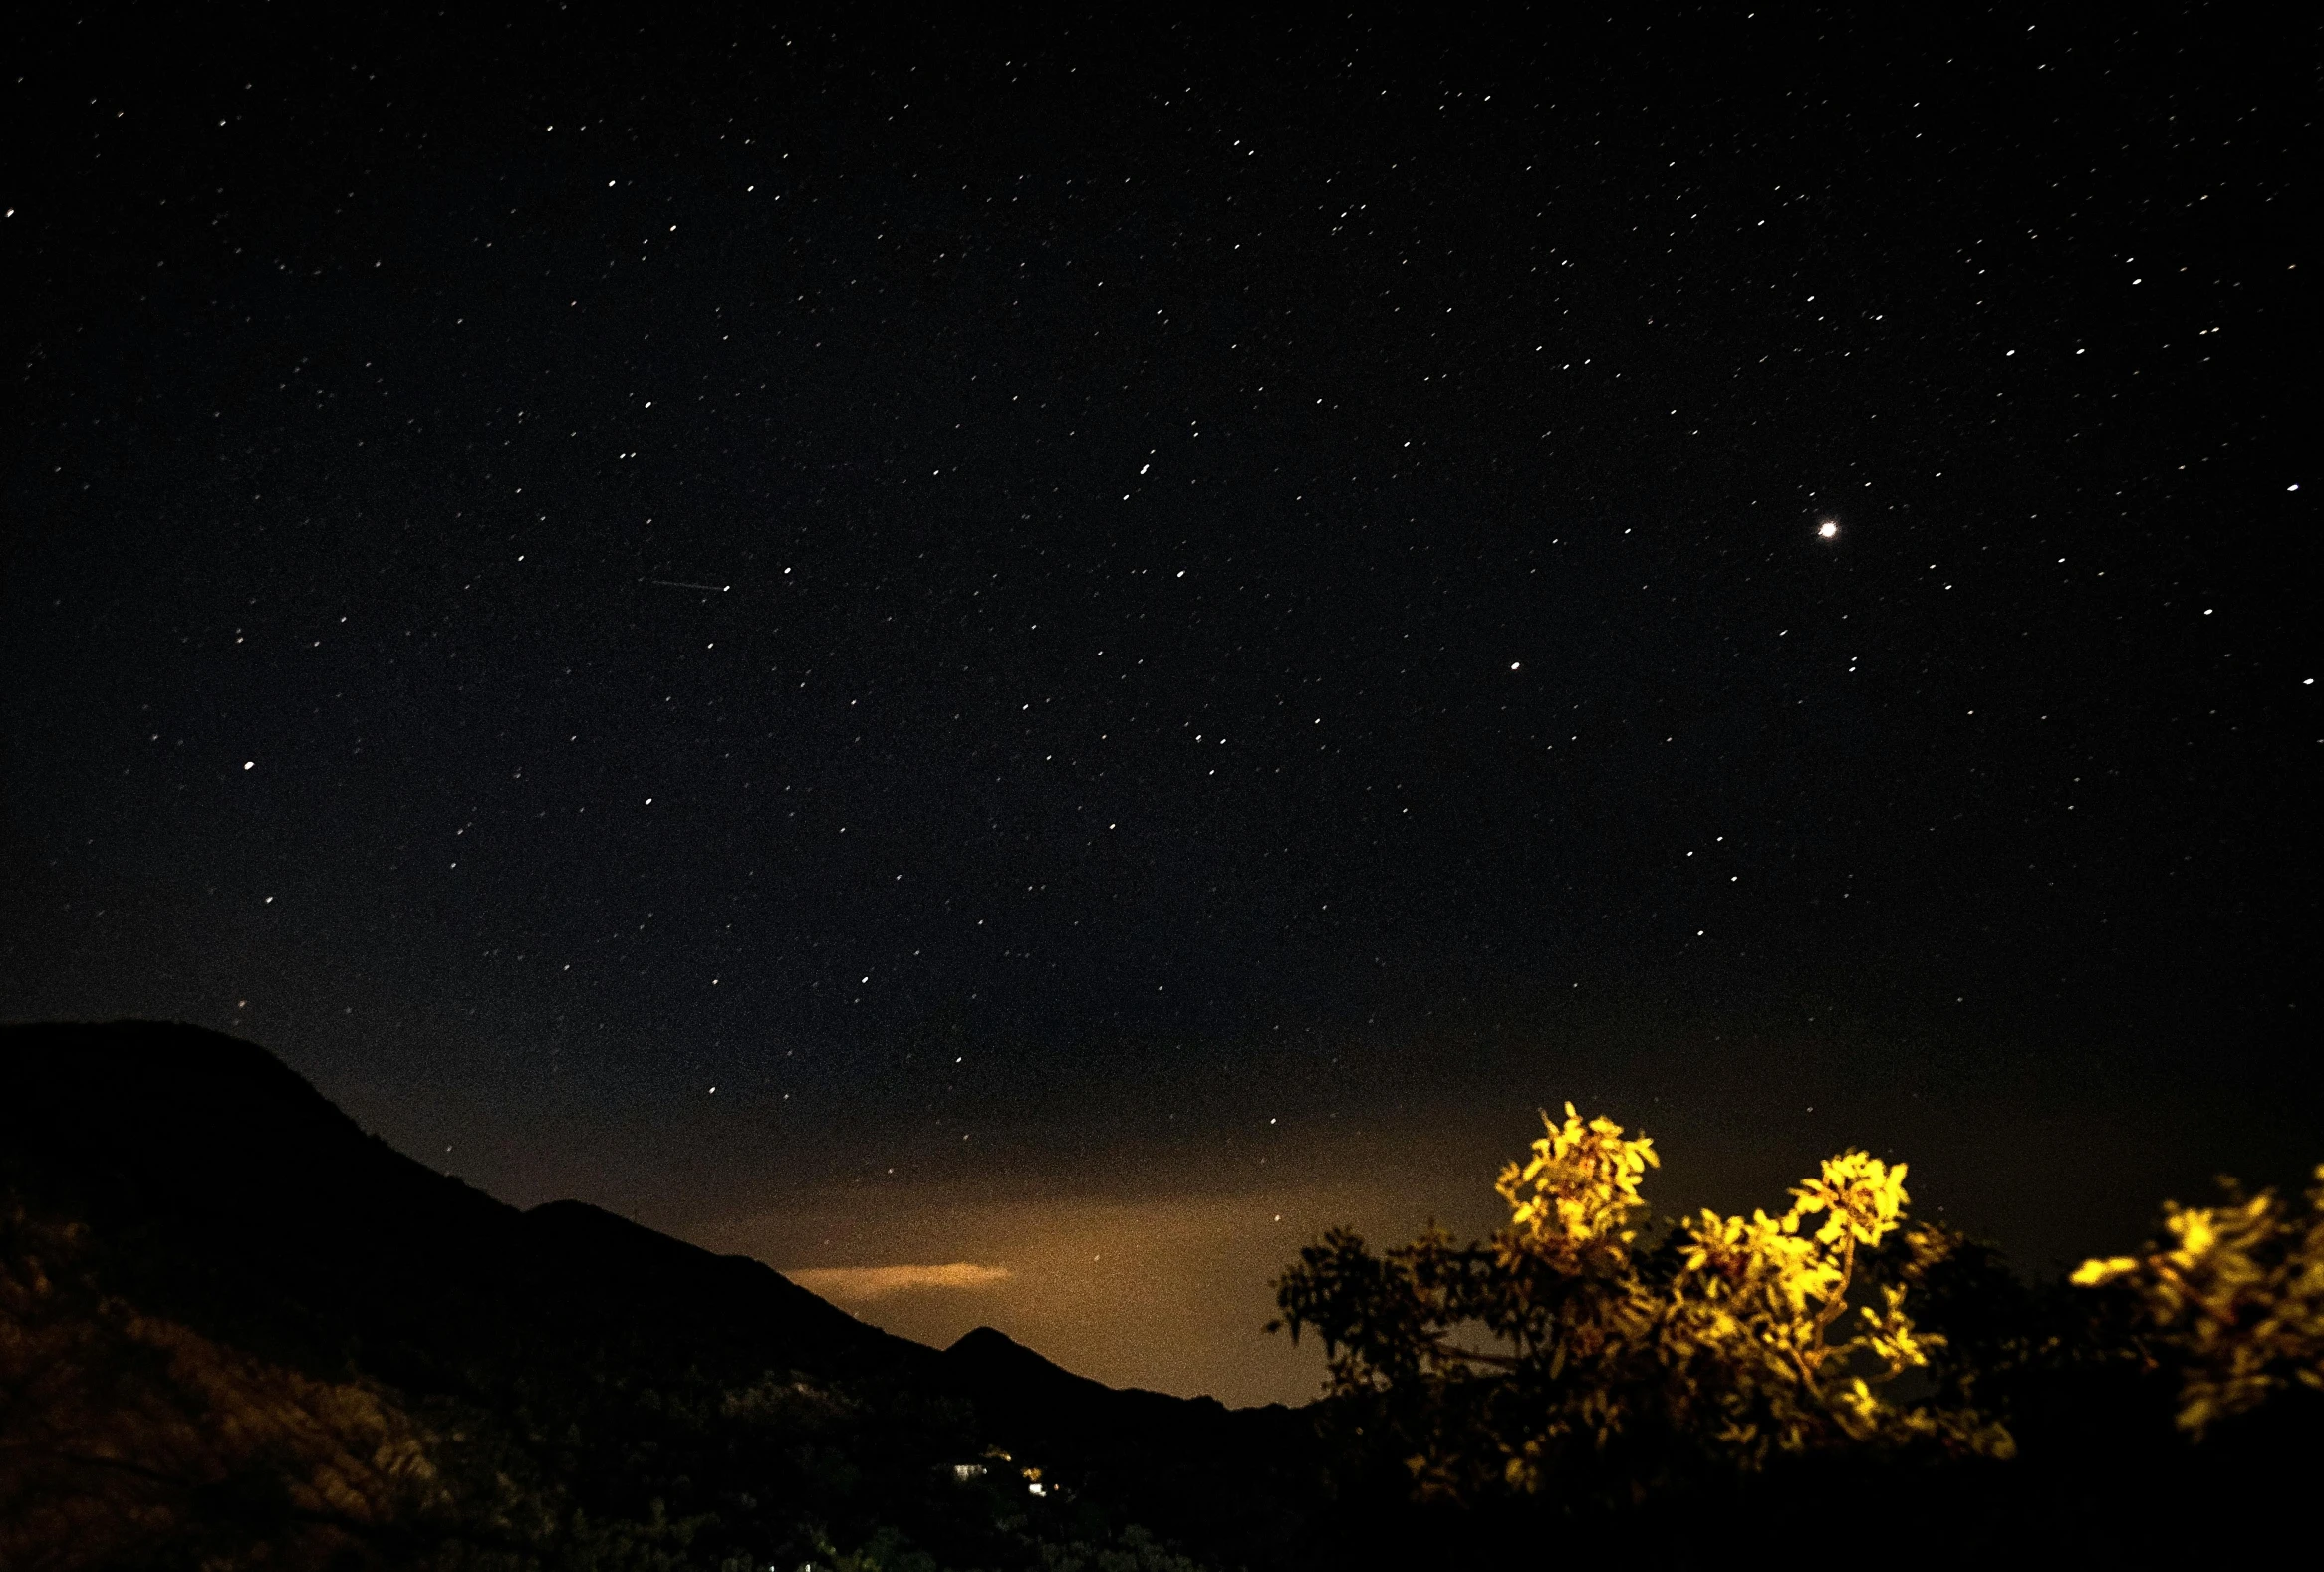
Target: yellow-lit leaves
pixel 1863 1197
pixel 2092 1274
pixel 2237 1291
pixel 1569 1330
pixel 1580 1186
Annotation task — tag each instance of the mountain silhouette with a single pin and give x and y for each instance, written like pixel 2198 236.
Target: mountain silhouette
pixel 256 1206
pixel 210 1185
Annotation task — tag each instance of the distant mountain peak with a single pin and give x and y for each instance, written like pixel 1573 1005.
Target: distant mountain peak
pixel 986 1336
pixel 995 1352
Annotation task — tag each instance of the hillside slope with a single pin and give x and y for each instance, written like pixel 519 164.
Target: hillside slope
pixel 621 1375
pixel 257 1207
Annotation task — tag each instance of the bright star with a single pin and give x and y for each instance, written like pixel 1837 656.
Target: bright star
pixel 1829 528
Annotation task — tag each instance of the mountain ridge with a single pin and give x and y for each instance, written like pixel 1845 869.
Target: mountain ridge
pixel 217 1188
pixel 210 1137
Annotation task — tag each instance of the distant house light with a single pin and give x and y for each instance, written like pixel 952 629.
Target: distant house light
pixel 965 1472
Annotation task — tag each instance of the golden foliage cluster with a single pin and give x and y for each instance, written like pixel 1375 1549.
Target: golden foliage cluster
pixel 1723 1339
pixel 2236 1293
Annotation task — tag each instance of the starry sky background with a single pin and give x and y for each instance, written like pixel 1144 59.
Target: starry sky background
pixel 1135 641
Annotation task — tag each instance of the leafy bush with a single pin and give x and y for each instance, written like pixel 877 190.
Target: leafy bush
pixel 2234 1295
pixel 1580 1343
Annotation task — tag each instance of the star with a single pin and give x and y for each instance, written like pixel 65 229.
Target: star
pixel 1829 528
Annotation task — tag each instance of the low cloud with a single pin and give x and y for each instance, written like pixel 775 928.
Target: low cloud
pixel 858 1285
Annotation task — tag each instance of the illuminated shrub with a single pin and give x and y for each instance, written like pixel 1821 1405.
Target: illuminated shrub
pixel 2234 1295
pixel 1582 1339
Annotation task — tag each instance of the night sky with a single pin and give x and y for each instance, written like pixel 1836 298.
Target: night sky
pixel 1069 654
